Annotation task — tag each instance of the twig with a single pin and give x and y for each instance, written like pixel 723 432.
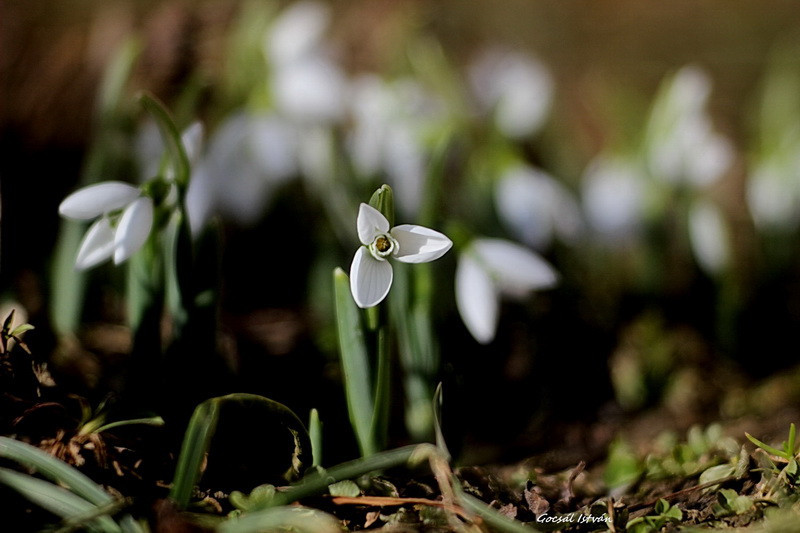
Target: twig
pixel 682 492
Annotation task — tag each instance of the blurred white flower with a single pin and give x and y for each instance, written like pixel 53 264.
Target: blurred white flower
pixel 371 273
pixel 709 237
pixel 297 32
pixel 613 192
pixel 247 157
pixel 536 207
pixel 306 84
pixel 489 269
pixel 517 88
pixel 681 143
pixel 390 122
pixel 311 90
pixel 773 193
pixel 126 218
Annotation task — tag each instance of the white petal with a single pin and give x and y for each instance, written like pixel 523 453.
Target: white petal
pixel 516 270
pixel 370 279
pixel 708 235
pixel 476 298
pixel 419 244
pixel 97 245
pixel 192 139
pixel 94 200
pixel 133 229
pixel 297 32
pixel 370 223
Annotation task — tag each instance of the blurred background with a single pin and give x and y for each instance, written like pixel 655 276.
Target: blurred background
pixel 649 152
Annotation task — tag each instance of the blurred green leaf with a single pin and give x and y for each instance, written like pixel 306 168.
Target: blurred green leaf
pixel 54 469
pixel 55 499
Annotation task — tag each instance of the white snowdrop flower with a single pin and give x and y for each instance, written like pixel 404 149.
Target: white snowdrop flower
pixel 390 123
pixel 117 235
pixel 247 157
pixel 536 207
pixel 311 90
pixel 371 273
pixel 517 88
pixel 709 237
pixel 297 32
pixel 773 194
pixel 149 147
pixel 682 145
pixel 489 269
pixel 613 192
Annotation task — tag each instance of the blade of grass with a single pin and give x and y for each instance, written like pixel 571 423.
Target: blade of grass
pixel 495 520
pixel 54 469
pixel 202 426
pixel 55 499
pixel 318 482
pixel 355 363
pixel 193 450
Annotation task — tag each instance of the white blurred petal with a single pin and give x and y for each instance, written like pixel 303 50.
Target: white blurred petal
pixel 517 87
pixel 476 298
pixel 274 146
pixel 515 269
pixel 773 197
pixel 192 139
pixel 133 228
pixel 419 244
pixel 97 245
pixel 370 279
pixel 311 90
pixel 536 207
pixel 710 160
pixel 94 200
pixel 370 223
pixel 297 31
pixel 613 197
pixel 200 198
pixel 708 235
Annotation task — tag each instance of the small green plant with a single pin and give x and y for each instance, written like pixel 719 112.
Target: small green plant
pixel 663 514
pixel 12 334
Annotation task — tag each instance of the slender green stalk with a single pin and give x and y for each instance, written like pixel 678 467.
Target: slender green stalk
pixel 383 385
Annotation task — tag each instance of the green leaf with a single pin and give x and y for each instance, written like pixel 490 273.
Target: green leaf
pixel 55 499
pixel 766 447
pixel 19 330
pixel 318 482
pixel 344 488
pixel 315 434
pixel 193 451
pixel 355 363
pixel 203 425
pixel 492 517
pixel 622 467
pixel 171 136
pixel 259 498
pixel 300 519
pixel 54 469
pixel 438 400
pixel 716 472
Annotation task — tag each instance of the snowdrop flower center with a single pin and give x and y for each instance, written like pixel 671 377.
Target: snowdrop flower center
pixel 383 246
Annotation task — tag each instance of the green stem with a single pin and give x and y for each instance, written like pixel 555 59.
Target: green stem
pixel 383 393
